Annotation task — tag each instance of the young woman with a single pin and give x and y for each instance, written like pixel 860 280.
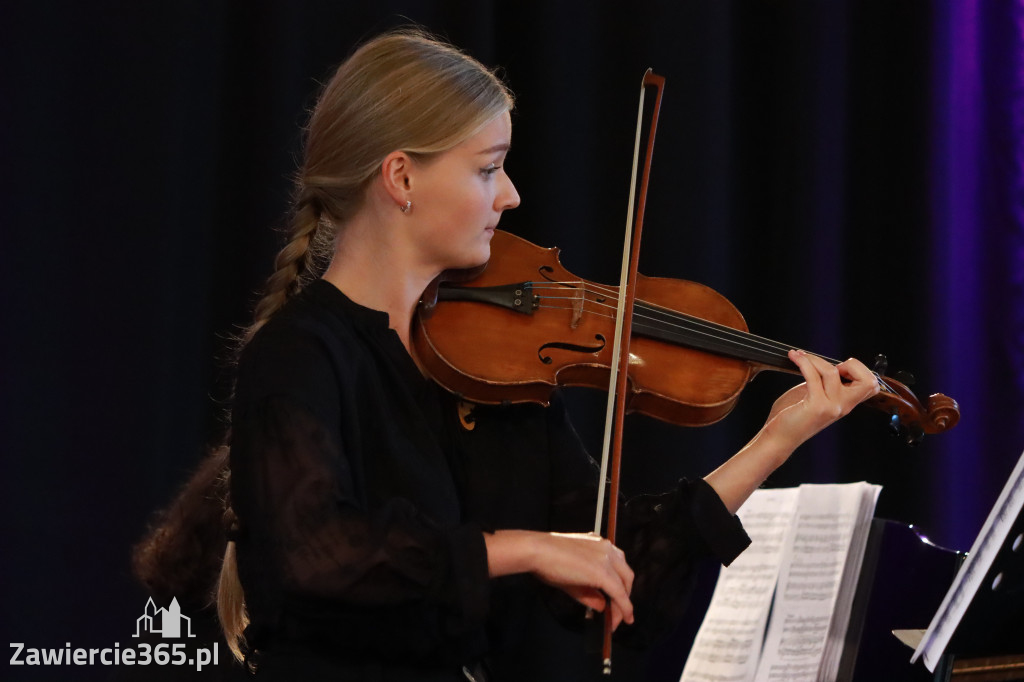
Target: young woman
pixel 376 535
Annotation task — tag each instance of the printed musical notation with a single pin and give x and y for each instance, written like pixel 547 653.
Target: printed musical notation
pixel 808 544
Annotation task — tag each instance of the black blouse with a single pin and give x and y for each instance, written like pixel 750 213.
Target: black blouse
pixel 362 497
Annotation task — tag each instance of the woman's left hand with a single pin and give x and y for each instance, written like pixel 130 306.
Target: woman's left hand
pixel 828 393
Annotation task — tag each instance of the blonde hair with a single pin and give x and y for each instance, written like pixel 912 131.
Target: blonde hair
pixel 401 91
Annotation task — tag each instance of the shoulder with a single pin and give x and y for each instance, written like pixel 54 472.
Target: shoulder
pixel 305 350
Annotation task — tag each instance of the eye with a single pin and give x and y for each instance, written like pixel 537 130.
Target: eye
pixel 490 169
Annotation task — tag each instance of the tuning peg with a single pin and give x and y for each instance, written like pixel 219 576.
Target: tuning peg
pixel 881 364
pixel 914 435
pixel 894 425
pixel 905 378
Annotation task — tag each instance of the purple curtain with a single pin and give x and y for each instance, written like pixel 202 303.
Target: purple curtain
pixel 977 200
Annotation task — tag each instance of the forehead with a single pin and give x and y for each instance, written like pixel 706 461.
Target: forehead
pixel 496 135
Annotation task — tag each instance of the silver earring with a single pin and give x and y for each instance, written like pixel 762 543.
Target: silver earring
pixel 405 209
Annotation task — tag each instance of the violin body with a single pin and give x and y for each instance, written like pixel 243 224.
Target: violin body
pixel 526 325
pixel 517 357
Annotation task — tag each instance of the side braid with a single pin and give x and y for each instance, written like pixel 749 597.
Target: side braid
pixel 231 610
pixel 295 262
pixel 294 266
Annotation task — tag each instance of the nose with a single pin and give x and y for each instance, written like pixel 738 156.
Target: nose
pixel 508 197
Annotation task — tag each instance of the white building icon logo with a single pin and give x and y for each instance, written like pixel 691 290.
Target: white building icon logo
pixel 166 622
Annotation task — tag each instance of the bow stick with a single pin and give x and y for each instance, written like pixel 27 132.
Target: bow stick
pixel 617 385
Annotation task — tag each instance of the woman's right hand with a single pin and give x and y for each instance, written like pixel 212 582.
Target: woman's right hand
pixel 583 565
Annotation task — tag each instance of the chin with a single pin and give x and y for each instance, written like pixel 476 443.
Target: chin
pixel 479 255
pixel 470 255
pixel 479 260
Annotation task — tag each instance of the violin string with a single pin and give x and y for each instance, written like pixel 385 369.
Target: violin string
pixel 676 320
pixel 724 333
pixel 678 326
pixel 740 338
pixel 881 380
pixel 659 315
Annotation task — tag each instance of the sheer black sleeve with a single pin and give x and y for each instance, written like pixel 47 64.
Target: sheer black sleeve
pixel 321 556
pixel 663 536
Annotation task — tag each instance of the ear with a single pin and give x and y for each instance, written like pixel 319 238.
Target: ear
pixel 395 171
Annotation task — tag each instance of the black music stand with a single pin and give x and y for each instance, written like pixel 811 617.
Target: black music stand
pixel 977 634
pixel 902 581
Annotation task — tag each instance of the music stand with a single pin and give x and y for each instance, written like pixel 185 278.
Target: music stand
pixel 978 631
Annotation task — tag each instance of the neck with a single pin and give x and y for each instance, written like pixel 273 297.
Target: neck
pixel 375 271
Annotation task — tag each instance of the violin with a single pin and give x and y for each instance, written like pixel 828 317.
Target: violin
pixel 524 325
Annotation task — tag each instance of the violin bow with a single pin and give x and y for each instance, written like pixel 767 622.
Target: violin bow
pixel 611 451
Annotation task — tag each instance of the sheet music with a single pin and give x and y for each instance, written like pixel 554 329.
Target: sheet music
pixel 857 547
pixel 798 646
pixel 728 645
pixel 970 576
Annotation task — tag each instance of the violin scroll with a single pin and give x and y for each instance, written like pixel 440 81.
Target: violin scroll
pixel 910 418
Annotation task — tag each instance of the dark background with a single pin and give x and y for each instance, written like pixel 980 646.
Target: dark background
pixel 848 173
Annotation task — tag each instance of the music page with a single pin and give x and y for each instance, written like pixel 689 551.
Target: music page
pixel 802 636
pixel 728 645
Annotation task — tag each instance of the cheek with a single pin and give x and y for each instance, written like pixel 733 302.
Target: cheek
pixel 469 205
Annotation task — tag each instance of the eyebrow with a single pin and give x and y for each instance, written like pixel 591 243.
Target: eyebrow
pixel 503 147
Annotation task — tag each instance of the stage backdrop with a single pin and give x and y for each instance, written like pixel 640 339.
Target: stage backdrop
pixel 850 174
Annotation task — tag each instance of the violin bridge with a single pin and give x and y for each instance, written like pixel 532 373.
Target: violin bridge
pixel 577 309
